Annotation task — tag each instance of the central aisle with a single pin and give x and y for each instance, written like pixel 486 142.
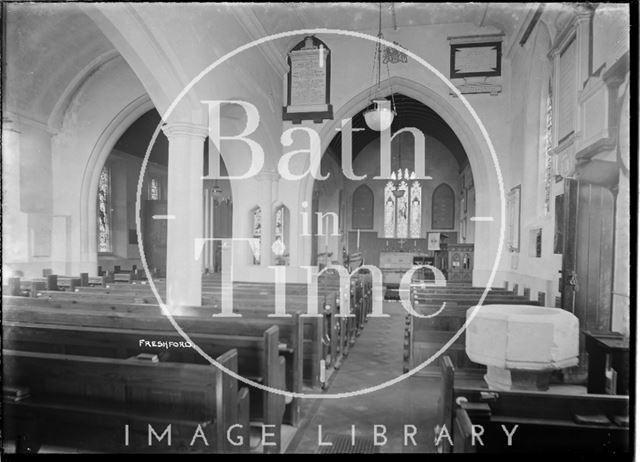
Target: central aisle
pixel 375 358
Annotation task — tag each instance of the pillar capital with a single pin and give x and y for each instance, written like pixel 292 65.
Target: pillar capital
pixel 188 129
pixel 268 175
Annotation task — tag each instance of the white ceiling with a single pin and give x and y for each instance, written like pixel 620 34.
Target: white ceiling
pixel 280 17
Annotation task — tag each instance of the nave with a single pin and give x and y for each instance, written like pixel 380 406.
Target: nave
pixel 317 199
pixel 54 337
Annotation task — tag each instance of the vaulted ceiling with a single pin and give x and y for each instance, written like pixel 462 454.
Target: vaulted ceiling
pixel 47 47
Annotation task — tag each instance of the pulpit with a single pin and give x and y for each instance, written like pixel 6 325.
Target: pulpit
pixel 460 262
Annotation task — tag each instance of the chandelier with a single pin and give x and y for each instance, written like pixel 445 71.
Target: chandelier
pixel 380 116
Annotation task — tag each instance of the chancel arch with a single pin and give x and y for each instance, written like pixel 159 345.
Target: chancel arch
pixel 397 214
pixel 462 125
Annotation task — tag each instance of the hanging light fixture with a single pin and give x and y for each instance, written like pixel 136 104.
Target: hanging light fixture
pixel 380 116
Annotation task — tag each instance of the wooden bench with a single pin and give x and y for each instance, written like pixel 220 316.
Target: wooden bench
pixel 86 402
pixel 547 422
pixel 52 282
pixel 257 356
pixel 327 340
pixel 426 336
pixel 194 321
pixel 317 341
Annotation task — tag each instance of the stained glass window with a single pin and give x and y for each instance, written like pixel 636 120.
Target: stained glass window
pixel 257 235
pixel 154 189
pixel 281 235
pixel 548 167
pixel 279 225
pixel 416 210
pixel 389 211
pixel 104 211
pixel 402 212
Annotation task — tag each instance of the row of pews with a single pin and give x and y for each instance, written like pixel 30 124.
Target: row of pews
pixel 426 336
pixel 100 366
pixel 475 419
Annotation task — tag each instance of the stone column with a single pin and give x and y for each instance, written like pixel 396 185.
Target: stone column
pixel 184 210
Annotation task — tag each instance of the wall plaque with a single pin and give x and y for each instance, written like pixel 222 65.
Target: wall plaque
pixel 309 82
pixel 482 59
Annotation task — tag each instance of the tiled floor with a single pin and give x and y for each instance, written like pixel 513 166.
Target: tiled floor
pixel 375 358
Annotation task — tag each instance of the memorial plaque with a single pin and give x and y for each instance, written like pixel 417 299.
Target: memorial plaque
pixel 309 82
pixel 308 78
pixel 476 59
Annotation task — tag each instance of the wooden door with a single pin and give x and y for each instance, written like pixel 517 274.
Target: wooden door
pixel 587 258
pixel 594 257
pixel 568 277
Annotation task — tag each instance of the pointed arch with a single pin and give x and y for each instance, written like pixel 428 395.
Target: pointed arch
pixel 362 208
pixel 443 205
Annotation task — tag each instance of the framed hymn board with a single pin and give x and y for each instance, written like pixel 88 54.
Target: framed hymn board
pixel 309 82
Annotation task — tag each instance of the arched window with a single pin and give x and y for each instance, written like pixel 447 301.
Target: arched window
pixel 362 208
pixel 154 190
pixel 105 230
pixel 415 226
pixel 443 207
pixel 546 154
pixel 256 233
pixel 280 246
pixel 402 210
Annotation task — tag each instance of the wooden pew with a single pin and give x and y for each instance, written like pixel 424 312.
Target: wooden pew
pixel 547 422
pixel 85 402
pixel 52 282
pixel 424 337
pixel 258 358
pixel 263 297
pixel 313 328
pixel 194 321
pixel 324 335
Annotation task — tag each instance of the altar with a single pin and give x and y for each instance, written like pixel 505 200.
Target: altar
pixel 395 264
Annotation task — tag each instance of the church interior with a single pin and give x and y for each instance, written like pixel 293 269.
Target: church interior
pixel 316 228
